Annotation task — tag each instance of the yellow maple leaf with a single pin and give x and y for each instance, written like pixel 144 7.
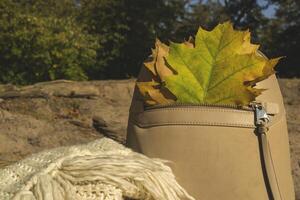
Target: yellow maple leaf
pixel 220 69
pixel 220 66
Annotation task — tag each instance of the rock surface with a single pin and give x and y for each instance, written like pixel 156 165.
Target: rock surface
pixel 51 114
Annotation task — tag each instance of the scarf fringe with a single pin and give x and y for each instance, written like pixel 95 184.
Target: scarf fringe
pixel 107 175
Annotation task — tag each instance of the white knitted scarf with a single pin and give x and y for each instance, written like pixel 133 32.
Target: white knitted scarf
pixel 102 170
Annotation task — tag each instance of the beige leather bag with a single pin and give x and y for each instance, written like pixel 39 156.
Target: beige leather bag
pixel 219 152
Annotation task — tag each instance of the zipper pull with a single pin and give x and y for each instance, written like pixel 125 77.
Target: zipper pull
pixel 261 115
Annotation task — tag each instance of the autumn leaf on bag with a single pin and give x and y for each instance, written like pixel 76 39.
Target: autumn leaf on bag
pixel 217 69
pixel 220 67
pixel 153 91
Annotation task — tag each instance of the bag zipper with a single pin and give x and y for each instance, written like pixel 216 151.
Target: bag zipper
pixel 261 117
pixel 250 107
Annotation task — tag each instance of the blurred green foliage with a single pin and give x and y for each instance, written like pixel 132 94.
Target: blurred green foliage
pixel 281 37
pixel 105 20
pixel 43 40
pixel 37 48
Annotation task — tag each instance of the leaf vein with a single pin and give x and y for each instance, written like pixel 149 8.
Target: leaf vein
pixel 214 57
pixel 186 64
pixel 230 75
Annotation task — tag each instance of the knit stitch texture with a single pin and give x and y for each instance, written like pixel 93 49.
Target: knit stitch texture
pixel 102 170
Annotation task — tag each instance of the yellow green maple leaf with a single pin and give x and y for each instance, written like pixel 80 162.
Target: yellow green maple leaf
pixel 220 68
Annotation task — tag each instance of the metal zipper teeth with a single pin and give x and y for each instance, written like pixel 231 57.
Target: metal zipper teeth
pixel 174 105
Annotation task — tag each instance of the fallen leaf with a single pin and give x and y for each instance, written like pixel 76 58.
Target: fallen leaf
pixel 217 68
pixel 221 66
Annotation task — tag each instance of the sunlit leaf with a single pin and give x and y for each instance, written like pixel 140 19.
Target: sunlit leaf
pixel 217 68
pixel 220 66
